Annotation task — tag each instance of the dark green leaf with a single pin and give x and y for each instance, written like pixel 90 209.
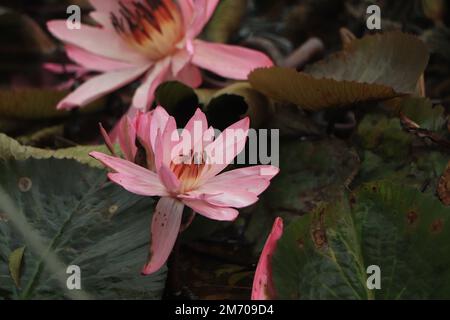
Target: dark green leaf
pixel 68 214
pixel 325 255
pixel 11 149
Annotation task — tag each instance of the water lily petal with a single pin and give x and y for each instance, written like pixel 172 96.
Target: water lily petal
pixel 169 179
pixel 263 287
pixel 179 60
pixel 190 75
pixel 253 179
pixel 204 10
pixel 92 61
pixel 234 198
pixel 158 124
pixel 221 152
pixel 139 185
pixel 210 211
pixel 100 86
pixel 143 98
pixel 228 61
pixel 132 177
pixel 127 138
pixel 102 18
pixel 187 11
pixel 192 133
pixel 164 232
pixel 107 140
pixel 165 144
pixel 103 42
pixel 105 5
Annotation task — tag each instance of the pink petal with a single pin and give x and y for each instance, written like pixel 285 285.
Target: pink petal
pixel 107 140
pixel 105 5
pixel 254 179
pixel 102 18
pixel 263 287
pixel 158 123
pixel 194 130
pixel 165 144
pixel 210 211
pixel 179 60
pixel 164 232
pixel 225 148
pixel 143 133
pixel 92 61
pixel 103 42
pixel 169 179
pixel 139 185
pixel 187 11
pixel 63 68
pixel 132 177
pixel 235 198
pixel 228 61
pixel 204 9
pixel 100 86
pixel 127 138
pixel 190 75
pixel 143 98
pixel 143 122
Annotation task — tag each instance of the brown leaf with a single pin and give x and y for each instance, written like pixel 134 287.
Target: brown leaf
pixel 373 68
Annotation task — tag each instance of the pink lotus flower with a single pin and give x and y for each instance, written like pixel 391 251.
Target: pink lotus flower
pixel 263 287
pixel 150 39
pixel 183 169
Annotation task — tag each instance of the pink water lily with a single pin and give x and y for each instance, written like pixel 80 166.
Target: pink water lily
pixel 263 287
pixel 184 170
pixel 152 40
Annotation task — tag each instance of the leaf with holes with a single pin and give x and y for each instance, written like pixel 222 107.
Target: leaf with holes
pixel 325 255
pixel 66 213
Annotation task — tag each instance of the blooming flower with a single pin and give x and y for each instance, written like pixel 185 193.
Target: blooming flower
pixel 183 169
pixel 150 39
pixel 263 287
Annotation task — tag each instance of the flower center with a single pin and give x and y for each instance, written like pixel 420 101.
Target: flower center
pixel 153 27
pixel 188 169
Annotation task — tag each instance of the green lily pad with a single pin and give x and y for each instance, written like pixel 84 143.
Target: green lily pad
pixel 387 151
pixel 326 254
pixel 422 112
pixel 67 214
pixel 311 173
pixel 11 149
pixel 384 135
pixel 310 170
